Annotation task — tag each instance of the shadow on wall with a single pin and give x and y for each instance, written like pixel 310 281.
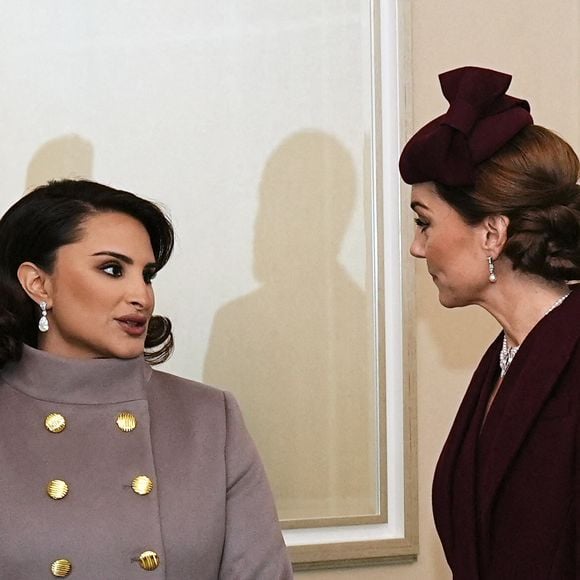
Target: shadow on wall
pixel 68 156
pixel 297 351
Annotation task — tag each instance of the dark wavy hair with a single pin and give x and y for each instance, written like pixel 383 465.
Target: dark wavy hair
pixel 533 180
pixel 49 217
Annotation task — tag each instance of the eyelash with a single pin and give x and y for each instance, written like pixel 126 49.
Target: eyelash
pixel 148 275
pixel 421 224
pixel 117 273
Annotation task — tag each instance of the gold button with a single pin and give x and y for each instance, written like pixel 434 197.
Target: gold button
pixel 149 560
pixel 142 485
pixel 55 422
pixel 61 568
pixel 126 421
pixel 57 489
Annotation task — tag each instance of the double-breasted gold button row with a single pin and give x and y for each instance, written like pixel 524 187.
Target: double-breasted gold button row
pixel 58 489
pixel 56 423
pixel 148 560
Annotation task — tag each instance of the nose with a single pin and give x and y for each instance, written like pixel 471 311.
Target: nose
pixel 417 249
pixel 140 294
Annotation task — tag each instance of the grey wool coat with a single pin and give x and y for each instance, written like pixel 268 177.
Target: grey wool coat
pixel 110 470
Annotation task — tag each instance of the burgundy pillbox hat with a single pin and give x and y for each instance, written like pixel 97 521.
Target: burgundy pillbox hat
pixel 481 119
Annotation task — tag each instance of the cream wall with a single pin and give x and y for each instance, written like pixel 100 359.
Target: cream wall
pixel 539 43
pixel 535 40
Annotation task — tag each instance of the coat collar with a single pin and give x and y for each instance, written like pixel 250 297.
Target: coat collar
pixel 454 483
pixel 532 376
pixel 57 379
pixel 529 382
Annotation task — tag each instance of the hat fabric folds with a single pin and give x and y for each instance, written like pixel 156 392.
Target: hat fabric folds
pixel 480 120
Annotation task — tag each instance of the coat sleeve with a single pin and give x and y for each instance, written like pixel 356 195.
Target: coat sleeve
pixel 574 529
pixel 254 548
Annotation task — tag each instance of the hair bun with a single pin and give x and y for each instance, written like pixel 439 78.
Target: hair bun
pixel 546 241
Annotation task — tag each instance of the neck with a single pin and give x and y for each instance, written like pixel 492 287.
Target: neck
pixel 519 302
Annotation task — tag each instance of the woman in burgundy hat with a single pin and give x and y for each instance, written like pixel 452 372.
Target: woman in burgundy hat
pixel 498 221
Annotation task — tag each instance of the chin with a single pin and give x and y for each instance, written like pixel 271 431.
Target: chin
pixel 127 351
pixel 450 301
pixel 127 354
pixel 454 303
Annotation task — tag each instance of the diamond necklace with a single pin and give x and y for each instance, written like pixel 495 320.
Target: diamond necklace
pixel 507 353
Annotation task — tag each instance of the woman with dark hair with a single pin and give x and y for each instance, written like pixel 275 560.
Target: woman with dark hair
pixel 498 221
pixel 109 468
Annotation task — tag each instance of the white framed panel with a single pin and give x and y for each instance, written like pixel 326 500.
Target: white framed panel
pixel 270 132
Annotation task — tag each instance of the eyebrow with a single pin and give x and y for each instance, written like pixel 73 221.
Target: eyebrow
pixel 122 258
pixel 416 204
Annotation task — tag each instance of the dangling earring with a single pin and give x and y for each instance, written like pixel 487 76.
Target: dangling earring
pixel 43 322
pixel 492 277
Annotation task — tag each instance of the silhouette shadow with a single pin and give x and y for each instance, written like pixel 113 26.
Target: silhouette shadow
pixel 67 156
pixel 297 351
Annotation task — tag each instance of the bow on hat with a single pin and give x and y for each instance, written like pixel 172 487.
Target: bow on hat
pixel 480 120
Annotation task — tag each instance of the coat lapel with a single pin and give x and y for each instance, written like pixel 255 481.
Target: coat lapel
pixel 534 373
pixel 454 505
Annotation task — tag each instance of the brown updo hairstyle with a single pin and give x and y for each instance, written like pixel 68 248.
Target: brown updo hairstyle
pixel 50 217
pixel 533 180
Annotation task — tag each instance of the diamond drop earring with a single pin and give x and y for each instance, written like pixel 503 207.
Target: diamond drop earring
pixel 492 277
pixel 43 322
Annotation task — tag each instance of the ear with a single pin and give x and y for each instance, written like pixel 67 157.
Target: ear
pixel 35 282
pixel 495 229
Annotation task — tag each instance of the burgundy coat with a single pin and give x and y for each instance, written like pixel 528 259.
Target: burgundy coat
pixel 210 514
pixel 506 498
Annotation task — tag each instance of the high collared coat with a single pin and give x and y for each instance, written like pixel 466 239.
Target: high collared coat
pixel 152 477
pixel 506 496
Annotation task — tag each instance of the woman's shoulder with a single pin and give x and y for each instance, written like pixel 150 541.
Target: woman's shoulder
pixel 169 381
pixel 182 402
pixel 166 386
